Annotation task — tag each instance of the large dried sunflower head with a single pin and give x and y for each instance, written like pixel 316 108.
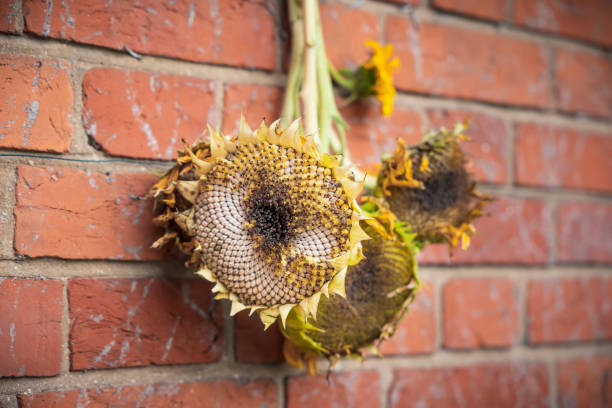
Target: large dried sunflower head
pixel 267 219
pixel 378 292
pixel 427 186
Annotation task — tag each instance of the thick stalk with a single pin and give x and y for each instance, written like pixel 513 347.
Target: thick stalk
pixel 291 103
pixel 328 111
pixel 309 92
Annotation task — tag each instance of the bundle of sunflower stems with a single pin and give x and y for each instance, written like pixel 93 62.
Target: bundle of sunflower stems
pixel 284 228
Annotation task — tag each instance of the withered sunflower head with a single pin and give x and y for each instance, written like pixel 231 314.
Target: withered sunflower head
pixel 378 292
pixel 427 186
pixel 266 218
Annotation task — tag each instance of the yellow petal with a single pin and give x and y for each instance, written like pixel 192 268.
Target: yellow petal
pixel 331 161
pixel 341 261
pixel 245 134
pixel 236 307
pixel 356 254
pixel 337 283
pixel 207 274
pixel 189 189
pixel 284 312
pixel 313 304
pixel 357 233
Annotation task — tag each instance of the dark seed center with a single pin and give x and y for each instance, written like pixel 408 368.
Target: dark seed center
pixel 270 217
pixel 441 191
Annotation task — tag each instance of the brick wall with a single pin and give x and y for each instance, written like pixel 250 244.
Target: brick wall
pixel 90 314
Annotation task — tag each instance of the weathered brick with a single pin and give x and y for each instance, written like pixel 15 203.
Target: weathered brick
pixel 513 231
pixel 563 310
pixel 138 322
pixel 221 393
pixel 348 390
pixel 371 135
pixel 255 102
pixel 138 114
pixel 7 193
pixel 563 157
pixel 9 10
pixel 464 63
pixel 404 2
pixel 78 214
pixel 345 30
pixel 416 333
pixel 232 32
pixel 584 232
pixel 585 382
pixel 480 313
pixel 30 327
pixel 37 104
pixel 512 384
pixel 488 10
pixel 584 82
pixel 486 149
pixel 587 20
pixel 253 344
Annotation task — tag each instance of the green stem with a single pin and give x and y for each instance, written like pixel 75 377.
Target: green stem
pixel 328 111
pixel 343 81
pixel 309 92
pixel 291 106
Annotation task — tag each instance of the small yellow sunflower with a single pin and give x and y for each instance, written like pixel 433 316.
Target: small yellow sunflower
pixel 384 67
pixel 269 220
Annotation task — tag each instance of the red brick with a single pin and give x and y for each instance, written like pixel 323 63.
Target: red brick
pixel 587 20
pixel 488 10
pixel 8 15
pixel 37 104
pixel 7 192
pixel 584 232
pixel 371 135
pixel 347 390
pixel 404 2
pixel 585 382
pixel 138 322
pixel 255 102
pixel 562 157
pixel 345 30
pixel 253 344
pixel 416 333
pixel 232 32
pixel 30 327
pixel 513 231
pixel 486 150
pixel 512 384
pixel 584 82
pixel 144 115
pixel 480 313
pixel 222 393
pixel 464 63
pixel 77 214
pixel 563 310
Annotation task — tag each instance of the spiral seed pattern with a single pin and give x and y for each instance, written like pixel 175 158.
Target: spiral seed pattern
pixel 269 221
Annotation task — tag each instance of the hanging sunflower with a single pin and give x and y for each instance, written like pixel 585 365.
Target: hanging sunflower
pixel 429 188
pixel 373 78
pixel 269 220
pixel 378 292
